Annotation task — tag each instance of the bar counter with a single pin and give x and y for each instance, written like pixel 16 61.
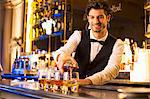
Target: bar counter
pixel 11 89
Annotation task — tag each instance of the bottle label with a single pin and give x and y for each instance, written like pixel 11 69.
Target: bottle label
pixel 57 75
pixel 66 76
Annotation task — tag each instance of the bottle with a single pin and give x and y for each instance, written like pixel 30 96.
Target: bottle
pixel 133 53
pixel 58 80
pixel 128 54
pixel 58 24
pixel 59 6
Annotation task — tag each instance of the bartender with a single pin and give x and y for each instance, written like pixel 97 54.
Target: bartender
pixel 97 53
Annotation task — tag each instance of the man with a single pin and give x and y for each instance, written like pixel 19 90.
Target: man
pixel 98 61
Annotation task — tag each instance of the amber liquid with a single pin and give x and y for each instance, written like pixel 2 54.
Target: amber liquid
pixel 42 83
pixel 72 85
pixel 63 86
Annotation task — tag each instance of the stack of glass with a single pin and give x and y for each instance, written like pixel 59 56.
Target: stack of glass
pixel 55 81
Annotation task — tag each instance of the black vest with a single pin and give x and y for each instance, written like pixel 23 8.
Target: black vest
pixel 82 56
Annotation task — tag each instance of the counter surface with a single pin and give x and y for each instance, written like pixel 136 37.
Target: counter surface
pixel 26 90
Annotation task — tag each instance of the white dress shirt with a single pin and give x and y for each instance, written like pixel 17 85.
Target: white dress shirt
pixel 112 68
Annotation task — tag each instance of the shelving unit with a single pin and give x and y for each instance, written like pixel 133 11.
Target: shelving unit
pixel 42 11
pixel 147 23
pixel 146 20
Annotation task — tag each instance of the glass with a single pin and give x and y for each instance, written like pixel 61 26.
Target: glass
pixel 75 76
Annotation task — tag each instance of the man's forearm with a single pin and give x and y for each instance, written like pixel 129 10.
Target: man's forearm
pixel 84 82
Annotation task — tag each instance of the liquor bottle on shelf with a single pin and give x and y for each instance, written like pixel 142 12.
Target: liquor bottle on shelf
pixel 63 4
pixel 59 6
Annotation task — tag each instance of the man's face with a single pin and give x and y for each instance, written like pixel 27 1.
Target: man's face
pixel 98 20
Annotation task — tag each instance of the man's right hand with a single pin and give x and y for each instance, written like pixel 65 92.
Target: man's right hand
pixel 62 59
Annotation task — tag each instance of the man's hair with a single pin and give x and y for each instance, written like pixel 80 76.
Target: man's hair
pixel 98 5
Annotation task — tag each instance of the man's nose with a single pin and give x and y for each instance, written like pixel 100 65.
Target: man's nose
pixel 96 20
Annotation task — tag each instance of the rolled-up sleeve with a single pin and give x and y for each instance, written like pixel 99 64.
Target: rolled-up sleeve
pixel 112 68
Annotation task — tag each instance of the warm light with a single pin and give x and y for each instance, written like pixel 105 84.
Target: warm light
pixel 147 34
pixel 127 56
pixel 29 28
pixel 141 69
pixel 147 6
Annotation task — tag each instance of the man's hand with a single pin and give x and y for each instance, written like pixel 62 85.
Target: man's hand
pixel 62 59
pixel 82 82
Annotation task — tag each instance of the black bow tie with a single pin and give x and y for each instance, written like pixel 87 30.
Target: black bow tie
pixel 93 40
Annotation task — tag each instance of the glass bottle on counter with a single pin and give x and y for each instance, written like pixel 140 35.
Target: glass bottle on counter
pixel 127 56
pixel 42 71
pixel 134 50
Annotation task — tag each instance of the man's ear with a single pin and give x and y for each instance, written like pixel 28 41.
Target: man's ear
pixel 87 18
pixel 108 17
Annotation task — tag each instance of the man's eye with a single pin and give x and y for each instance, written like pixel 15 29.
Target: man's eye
pixel 100 17
pixel 91 17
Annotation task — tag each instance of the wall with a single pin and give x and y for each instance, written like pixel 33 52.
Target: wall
pixel 1 27
pixel 11 27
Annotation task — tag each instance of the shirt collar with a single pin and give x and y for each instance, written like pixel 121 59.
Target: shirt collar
pixel 101 39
